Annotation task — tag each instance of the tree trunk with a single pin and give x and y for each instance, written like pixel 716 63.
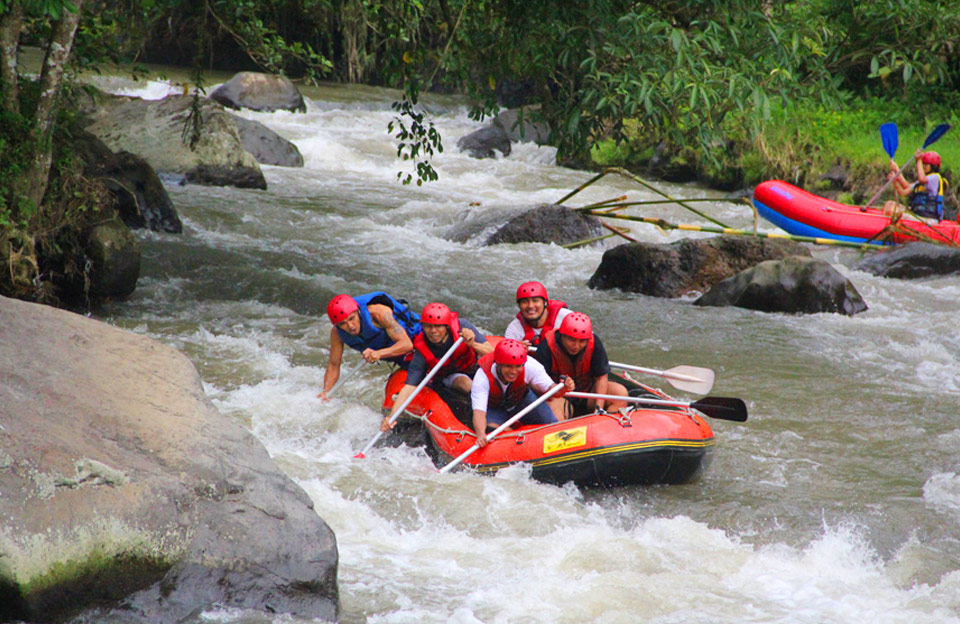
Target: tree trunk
pixel 54 63
pixel 10 25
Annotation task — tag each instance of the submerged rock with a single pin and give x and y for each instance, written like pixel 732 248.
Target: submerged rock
pixel 913 260
pixel 547 224
pixel 675 269
pixel 796 284
pixel 124 491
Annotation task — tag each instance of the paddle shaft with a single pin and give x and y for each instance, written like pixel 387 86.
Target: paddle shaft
pixel 715 407
pixel 543 397
pixel 396 412
pixel 343 378
pixel 629 399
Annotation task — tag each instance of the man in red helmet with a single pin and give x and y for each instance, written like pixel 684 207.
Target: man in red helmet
pixel 537 312
pixel 575 351
pixel 505 384
pixel 375 324
pixel 441 328
pixel 926 194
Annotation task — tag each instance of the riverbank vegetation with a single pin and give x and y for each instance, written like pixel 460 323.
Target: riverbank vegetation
pixel 729 92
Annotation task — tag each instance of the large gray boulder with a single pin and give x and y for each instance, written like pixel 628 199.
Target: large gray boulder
pixel 547 224
pixel 675 269
pixel 125 490
pixel 485 142
pixel 114 254
pixel 141 199
pixel 268 147
pixel 797 284
pixel 912 261
pixel 154 130
pixel 260 92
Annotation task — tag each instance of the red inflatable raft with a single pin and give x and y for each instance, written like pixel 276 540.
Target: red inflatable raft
pixel 642 445
pixel 798 212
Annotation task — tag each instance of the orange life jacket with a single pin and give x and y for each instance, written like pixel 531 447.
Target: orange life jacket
pixel 509 398
pixel 553 308
pixel 578 368
pixel 463 360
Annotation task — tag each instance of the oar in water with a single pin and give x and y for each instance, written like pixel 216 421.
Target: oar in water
pixel 543 397
pixel 399 410
pixel 687 378
pixel 723 408
pixel 343 378
pixel 932 138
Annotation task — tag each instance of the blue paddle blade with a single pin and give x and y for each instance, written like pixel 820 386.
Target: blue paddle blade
pixel 934 136
pixel 888 134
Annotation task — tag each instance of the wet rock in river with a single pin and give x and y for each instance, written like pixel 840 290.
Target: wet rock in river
pixel 688 265
pixel 547 224
pixel 913 260
pixel 796 284
pixel 260 92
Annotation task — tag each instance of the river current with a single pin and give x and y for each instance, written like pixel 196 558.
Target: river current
pixel 838 501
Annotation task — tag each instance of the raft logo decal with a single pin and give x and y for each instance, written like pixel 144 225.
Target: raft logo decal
pixel 566 439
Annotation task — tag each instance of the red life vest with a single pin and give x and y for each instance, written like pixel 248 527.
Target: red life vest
pixel 530 333
pixel 578 368
pixel 514 393
pixel 463 360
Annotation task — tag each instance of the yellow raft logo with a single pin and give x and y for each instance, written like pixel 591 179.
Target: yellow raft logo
pixel 566 439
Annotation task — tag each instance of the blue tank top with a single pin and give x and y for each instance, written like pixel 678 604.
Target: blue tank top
pixel 373 337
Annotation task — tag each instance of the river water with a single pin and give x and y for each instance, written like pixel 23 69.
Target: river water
pixel 838 501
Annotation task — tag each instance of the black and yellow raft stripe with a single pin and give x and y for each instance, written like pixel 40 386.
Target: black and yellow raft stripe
pixel 601 451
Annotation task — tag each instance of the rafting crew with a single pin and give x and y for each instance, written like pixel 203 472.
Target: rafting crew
pixel 440 329
pixel 505 383
pixel 574 351
pixel 380 327
pixel 925 196
pixel 537 312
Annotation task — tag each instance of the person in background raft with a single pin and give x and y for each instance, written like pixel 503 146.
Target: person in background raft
pixel 925 196
pixel 505 384
pixel 537 312
pixel 441 328
pixel 575 351
pixel 377 325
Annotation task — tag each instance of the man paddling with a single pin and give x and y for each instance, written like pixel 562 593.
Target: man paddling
pixel 574 351
pixel 441 328
pixel 505 384
pixel 375 324
pixel 537 312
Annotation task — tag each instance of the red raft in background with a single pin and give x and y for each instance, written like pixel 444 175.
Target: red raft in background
pixel 642 445
pixel 798 212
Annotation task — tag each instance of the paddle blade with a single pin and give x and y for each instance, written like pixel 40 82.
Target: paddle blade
pixel 360 455
pixel 888 135
pixel 722 408
pixel 695 379
pixel 934 136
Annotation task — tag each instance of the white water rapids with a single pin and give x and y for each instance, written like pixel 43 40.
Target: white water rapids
pixel 838 501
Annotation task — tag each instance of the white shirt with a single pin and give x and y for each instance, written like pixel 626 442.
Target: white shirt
pixel 534 374
pixel 516 330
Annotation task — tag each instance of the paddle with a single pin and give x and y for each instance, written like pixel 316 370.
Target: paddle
pixel 396 412
pixel 543 397
pixel 687 378
pixel 722 408
pixel 888 136
pixel 932 138
pixel 343 378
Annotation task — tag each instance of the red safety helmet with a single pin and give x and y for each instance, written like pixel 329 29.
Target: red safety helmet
pixel 531 289
pixel 576 325
pixel 510 351
pixel 340 307
pixel 931 158
pixel 436 314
